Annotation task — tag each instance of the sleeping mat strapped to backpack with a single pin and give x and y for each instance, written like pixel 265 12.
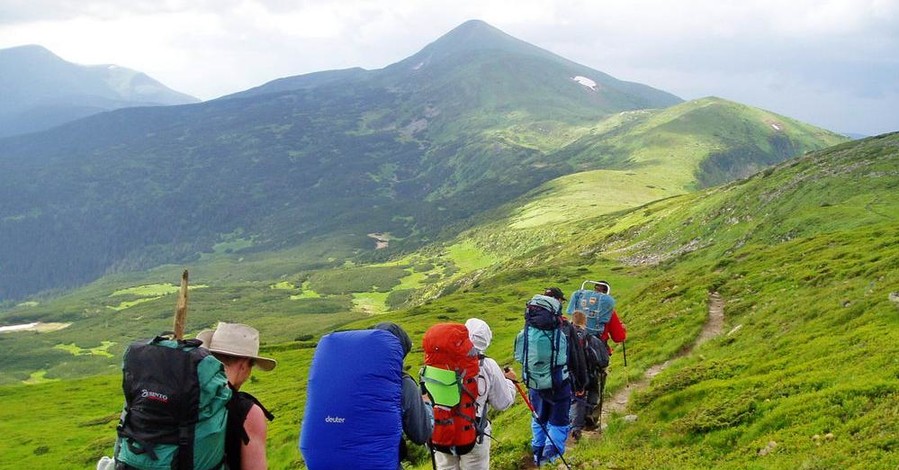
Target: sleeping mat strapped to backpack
pixel 353 417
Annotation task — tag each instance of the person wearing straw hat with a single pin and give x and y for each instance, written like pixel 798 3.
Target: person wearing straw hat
pixel 237 346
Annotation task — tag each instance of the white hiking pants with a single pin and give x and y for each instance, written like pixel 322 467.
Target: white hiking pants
pixel 477 459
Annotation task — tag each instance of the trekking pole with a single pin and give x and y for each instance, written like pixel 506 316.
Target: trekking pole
pixel 181 309
pixel 602 392
pixel 433 455
pixel 627 378
pixel 542 426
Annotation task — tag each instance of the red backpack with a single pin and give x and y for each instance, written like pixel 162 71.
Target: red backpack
pixel 450 376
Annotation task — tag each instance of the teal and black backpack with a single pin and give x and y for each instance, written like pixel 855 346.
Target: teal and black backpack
pixel 542 346
pixel 175 413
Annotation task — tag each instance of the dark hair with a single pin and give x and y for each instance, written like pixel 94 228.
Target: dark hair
pixel 397 331
pixel 554 292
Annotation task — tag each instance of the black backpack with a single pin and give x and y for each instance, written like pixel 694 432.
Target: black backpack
pixel 595 354
pixel 577 359
pixel 176 395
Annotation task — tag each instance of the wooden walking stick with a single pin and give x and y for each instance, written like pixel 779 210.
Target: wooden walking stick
pixel 181 309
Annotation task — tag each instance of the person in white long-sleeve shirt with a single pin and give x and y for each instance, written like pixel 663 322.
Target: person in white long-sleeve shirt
pixel 495 389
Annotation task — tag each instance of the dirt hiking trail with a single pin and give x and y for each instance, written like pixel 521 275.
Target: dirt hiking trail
pixel 617 403
pixel 713 327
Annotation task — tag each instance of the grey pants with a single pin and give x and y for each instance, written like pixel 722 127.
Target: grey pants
pixel 581 407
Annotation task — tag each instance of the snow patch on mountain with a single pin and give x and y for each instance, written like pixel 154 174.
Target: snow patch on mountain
pixel 585 82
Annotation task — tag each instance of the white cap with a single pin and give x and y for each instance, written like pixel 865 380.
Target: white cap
pixel 479 333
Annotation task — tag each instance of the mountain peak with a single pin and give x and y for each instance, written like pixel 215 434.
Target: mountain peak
pixel 41 90
pixel 475 35
pixel 475 29
pixel 33 51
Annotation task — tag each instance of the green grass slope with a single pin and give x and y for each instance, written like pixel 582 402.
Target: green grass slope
pixel 804 254
pixel 701 143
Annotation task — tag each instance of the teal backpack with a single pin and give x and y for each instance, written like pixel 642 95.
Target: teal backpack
pixel 542 347
pixel 175 415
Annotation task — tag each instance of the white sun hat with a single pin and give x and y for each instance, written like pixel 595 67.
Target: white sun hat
pixel 236 339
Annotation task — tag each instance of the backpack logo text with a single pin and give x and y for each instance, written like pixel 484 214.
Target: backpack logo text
pixel 151 395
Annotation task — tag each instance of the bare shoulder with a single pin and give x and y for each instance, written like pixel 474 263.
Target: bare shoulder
pixel 255 421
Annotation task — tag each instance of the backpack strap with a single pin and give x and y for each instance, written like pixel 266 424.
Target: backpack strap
pixel 185 446
pixel 236 435
pixel 525 375
pixel 554 356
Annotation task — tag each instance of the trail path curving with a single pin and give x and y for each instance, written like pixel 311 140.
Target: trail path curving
pixel 713 327
pixel 618 402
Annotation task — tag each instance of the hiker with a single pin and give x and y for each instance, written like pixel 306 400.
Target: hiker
pixel 542 349
pixel 360 401
pixel 495 388
pixel 418 417
pixel 584 402
pixel 614 329
pixel 176 407
pixel 237 347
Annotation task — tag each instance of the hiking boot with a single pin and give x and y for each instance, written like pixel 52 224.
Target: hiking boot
pixel 573 438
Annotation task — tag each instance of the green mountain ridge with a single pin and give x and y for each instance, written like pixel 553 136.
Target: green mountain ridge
pixel 804 255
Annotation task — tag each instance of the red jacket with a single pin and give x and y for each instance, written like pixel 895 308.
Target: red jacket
pixel 615 330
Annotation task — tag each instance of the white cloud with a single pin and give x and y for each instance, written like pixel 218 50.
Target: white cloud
pixel 835 50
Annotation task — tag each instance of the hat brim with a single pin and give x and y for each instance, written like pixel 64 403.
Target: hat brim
pixel 263 363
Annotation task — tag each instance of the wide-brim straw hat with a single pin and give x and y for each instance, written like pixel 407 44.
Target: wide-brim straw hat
pixel 236 339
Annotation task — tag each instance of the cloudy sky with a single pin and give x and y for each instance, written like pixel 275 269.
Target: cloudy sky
pixel 833 63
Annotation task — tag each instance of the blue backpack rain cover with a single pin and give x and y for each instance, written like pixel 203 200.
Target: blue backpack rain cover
pixel 353 417
pixel 595 305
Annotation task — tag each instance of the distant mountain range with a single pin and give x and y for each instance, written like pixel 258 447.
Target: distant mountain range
pixel 474 120
pixel 39 90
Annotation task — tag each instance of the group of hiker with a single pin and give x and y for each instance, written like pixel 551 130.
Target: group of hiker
pixel 360 402
pixel 563 365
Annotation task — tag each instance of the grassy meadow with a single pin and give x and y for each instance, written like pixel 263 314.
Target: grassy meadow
pixel 805 256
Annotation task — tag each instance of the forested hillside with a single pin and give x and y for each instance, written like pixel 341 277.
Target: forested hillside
pixel 414 150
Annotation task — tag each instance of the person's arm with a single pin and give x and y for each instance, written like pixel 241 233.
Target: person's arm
pixel 418 416
pixel 616 329
pixel 575 300
pixel 252 455
pixel 501 394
